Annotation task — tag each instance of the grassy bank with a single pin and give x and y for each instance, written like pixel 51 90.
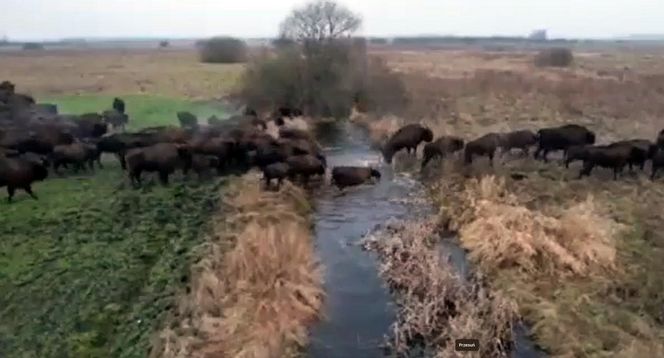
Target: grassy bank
pixel 143 110
pixel 93 268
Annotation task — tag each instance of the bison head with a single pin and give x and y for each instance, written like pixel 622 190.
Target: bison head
pixel 427 135
pixel 375 174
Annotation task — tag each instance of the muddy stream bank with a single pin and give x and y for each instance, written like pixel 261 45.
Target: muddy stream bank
pixel 358 308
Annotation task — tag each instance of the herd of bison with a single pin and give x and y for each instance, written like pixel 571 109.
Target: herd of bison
pixel 35 138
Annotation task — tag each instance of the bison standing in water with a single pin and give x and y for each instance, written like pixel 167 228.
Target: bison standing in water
pixel 441 147
pixel 304 166
pixel 485 145
pixel 407 137
pixel 162 158
pixel 20 172
pixel 345 176
pixel 561 138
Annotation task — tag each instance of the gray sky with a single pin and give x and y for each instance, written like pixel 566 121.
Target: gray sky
pixel 53 19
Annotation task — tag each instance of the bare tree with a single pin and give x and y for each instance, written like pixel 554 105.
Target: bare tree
pixel 320 21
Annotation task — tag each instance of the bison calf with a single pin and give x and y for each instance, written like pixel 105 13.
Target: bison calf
pixel 76 154
pixel 485 145
pixel 440 148
pixel 20 172
pixel 345 176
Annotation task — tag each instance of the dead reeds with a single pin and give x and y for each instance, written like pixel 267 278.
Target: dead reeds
pixel 259 287
pixel 435 305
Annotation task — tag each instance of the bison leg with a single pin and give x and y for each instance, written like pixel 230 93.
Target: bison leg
pixel 135 177
pixel 544 156
pixel 526 151
pixel 491 159
pixel 28 189
pixel 163 177
pixel 10 193
pixel 654 171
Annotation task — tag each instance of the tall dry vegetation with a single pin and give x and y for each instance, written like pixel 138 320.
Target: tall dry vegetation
pixel 259 286
pixel 435 305
pixel 320 67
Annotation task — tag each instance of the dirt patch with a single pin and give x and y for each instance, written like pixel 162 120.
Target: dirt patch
pixel 256 296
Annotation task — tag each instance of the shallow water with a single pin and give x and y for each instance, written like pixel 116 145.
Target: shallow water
pixel 358 308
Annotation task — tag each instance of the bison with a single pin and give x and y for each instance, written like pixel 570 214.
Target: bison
pixel 76 154
pixel 615 157
pixel 162 158
pixel 119 105
pixel 345 176
pixel 521 139
pixel 574 153
pixel 304 166
pixel 657 155
pixel 187 120
pixel 407 137
pixel 441 147
pixel 201 164
pixel 276 170
pixel 561 138
pixel 641 149
pixel 485 145
pixel 20 172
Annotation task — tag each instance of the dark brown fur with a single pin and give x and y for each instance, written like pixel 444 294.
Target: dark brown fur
pixel 485 145
pixel 20 173
pixel 407 137
pixel 441 147
pixel 163 158
pixel 345 176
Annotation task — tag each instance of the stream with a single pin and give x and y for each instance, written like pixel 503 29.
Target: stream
pixel 358 308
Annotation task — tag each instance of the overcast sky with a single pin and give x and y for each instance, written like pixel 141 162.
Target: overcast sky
pixel 53 19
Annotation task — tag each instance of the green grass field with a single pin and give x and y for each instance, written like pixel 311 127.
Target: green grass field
pixel 92 268
pixel 143 110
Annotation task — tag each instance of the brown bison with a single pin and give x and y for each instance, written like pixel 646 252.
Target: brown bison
pixel 561 138
pixel 162 158
pixel 614 157
pixel 201 164
pixel 521 139
pixel 120 143
pixel 119 105
pixel 407 137
pixel 90 125
pixel 657 155
pixel 641 149
pixel 345 176
pixel 294 133
pixel 213 121
pixel 574 153
pixel 485 145
pixel 277 170
pixel 76 154
pixel 220 147
pixel 20 172
pixel 304 166
pixel 441 147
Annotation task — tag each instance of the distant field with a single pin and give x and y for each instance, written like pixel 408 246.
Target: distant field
pixel 143 110
pixel 167 72
pixel 93 267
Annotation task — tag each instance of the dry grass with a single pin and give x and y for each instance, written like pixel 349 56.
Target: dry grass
pixel 257 297
pixel 581 258
pixel 435 305
pixel 500 233
pixel 168 72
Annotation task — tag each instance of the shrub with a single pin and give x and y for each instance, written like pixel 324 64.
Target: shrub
pixel 222 50
pixel 328 83
pixel 33 46
pixel 554 57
